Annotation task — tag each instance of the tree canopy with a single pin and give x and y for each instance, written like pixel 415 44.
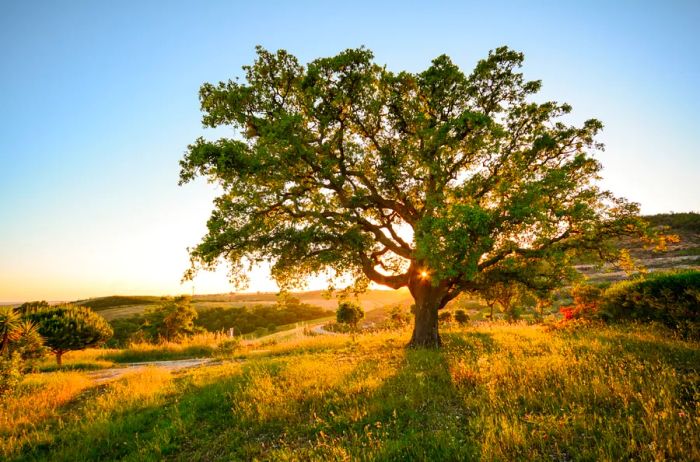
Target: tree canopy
pixel 440 181
pixel 349 313
pixel 69 327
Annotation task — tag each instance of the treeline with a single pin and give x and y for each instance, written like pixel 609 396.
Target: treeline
pixel 247 319
pixel 688 221
pixel 260 319
pixel 103 303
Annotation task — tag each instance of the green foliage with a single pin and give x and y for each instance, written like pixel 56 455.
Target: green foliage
pixel 26 307
pixel 128 330
pixel 70 327
pixel 171 321
pixel 349 313
pixel 507 296
pixel 586 302
pixel 29 343
pixel 245 319
pixel 10 372
pixel 229 346
pixel 9 323
pixel 445 317
pixel 672 299
pixel 461 317
pixel 399 316
pixel 689 222
pixel 437 178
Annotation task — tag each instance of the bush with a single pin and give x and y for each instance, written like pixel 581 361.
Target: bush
pixel 10 372
pixel 461 317
pixel 228 346
pixel 349 313
pixel 398 316
pixel 672 299
pixel 445 317
pixel 29 344
pixel 586 302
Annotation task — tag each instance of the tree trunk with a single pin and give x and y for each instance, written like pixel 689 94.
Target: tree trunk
pixel 59 354
pixel 425 329
pixel 429 299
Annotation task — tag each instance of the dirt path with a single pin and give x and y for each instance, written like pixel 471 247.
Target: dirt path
pixel 114 373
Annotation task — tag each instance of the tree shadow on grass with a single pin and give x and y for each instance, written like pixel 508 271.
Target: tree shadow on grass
pixel 397 406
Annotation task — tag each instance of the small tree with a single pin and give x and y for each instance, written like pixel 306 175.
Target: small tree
pixel 349 313
pixel 461 317
pixel 399 316
pixel 172 320
pixel 505 295
pixel 70 327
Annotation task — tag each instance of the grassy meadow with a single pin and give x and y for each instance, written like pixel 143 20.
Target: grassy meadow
pixel 495 392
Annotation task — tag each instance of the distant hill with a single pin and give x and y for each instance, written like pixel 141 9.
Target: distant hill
pixel 113 301
pixel 684 254
pixel 120 306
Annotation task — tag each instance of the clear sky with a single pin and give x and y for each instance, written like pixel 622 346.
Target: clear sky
pixel 99 101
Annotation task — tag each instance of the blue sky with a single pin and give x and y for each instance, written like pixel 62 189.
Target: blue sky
pixel 99 101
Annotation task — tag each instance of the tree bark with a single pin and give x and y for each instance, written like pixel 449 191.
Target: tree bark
pixel 429 298
pixel 425 329
pixel 59 355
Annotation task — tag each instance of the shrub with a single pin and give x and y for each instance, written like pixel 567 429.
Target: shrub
pixel 445 317
pixel 586 302
pixel 349 313
pixel 10 372
pixel 398 316
pixel 461 317
pixel 337 328
pixel 671 298
pixel 29 344
pixel 28 307
pixel 228 346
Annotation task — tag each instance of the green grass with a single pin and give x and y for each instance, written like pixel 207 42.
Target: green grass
pixel 495 392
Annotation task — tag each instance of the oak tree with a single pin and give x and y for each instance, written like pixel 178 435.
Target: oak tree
pixel 435 181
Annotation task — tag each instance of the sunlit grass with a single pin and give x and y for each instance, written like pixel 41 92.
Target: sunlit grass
pixel 495 392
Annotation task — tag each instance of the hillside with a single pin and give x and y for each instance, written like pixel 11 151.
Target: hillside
pixel 684 254
pixel 495 392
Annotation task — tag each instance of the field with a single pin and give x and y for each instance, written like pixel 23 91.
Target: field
pixel 495 392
